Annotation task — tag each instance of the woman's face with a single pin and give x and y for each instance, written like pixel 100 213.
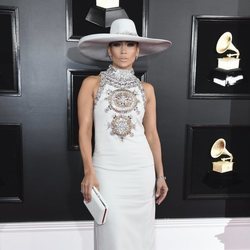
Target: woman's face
pixel 123 54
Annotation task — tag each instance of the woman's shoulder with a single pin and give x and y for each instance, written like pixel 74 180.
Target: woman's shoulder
pixel 148 87
pixel 92 79
pixel 91 82
pixel 149 90
pixel 147 84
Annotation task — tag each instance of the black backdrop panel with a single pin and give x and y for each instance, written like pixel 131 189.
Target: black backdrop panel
pixel 9 52
pixel 11 163
pixel 77 11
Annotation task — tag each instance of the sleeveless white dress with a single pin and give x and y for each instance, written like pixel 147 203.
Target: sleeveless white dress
pixel 124 163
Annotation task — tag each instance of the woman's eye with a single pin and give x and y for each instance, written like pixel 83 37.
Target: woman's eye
pixel 116 44
pixel 131 44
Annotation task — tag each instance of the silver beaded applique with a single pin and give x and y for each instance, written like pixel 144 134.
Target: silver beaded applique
pixel 121 126
pixel 121 100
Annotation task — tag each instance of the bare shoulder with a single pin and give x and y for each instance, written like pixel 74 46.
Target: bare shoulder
pixel 90 84
pixel 91 81
pixel 148 88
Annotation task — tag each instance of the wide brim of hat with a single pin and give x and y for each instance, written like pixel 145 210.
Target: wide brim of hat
pixel 95 46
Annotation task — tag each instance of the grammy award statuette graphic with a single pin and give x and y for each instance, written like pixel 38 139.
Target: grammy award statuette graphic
pixel 218 150
pixel 228 72
pixel 105 12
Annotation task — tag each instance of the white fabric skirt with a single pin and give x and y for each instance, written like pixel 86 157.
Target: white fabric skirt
pixel 130 195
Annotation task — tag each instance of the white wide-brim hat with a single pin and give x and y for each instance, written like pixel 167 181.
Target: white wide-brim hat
pixel 95 46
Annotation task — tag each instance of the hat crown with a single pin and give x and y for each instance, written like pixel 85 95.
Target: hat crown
pixel 123 26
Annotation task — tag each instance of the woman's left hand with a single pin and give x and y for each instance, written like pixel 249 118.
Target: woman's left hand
pixel 161 190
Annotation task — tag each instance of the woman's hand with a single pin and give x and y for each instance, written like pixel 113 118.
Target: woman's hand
pixel 161 190
pixel 87 183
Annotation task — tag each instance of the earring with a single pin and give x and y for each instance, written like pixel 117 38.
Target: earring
pixel 136 57
pixel 110 56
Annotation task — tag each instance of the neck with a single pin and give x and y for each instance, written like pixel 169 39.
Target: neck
pixel 121 71
pixel 119 68
pixel 121 77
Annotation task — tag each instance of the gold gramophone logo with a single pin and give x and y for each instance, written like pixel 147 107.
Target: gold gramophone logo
pixel 230 60
pixel 228 72
pixel 219 151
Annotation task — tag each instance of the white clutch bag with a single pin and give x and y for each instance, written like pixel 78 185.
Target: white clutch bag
pixel 97 207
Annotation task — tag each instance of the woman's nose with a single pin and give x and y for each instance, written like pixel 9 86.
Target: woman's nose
pixel 123 48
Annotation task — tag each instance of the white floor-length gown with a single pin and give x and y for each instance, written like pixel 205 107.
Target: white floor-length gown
pixel 123 163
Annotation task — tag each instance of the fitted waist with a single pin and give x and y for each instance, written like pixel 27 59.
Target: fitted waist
pixel 123 156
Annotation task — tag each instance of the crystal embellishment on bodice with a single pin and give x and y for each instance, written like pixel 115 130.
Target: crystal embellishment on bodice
pixel 121 96
pixel 121 126
pixel 122 100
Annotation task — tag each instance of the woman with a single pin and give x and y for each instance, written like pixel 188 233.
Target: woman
pixel 126 165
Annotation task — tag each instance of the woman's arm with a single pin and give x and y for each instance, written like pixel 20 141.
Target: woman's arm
pixel 149 122
pixel 85 103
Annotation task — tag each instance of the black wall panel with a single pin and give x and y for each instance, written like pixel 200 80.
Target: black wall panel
pixel 51 172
